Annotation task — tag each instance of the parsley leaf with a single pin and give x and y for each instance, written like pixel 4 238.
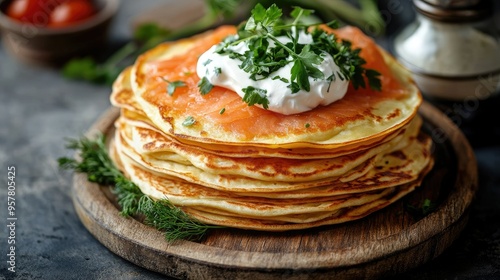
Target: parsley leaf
pixel 255 96
pixel 299 74
pixel 205 86
pixel 172 86
pixel 217 71
pixel 310 58
pixel 373 79
pixel 189 121
pixel 303 68
pixel 263 20
pixel 207 62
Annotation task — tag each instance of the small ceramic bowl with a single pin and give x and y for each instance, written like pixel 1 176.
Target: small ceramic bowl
pixel 51 46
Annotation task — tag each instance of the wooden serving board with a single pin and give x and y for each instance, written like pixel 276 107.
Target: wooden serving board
pixel 385 243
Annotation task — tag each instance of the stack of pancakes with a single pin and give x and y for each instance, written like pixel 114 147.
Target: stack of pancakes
pixel 246 167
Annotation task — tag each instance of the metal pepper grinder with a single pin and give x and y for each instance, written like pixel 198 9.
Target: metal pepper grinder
pixel 452 49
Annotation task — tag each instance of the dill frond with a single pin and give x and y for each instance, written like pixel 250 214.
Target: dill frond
pixel 161 214
pixel 176 224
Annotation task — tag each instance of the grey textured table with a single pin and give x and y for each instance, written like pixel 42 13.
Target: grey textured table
pixel 39 109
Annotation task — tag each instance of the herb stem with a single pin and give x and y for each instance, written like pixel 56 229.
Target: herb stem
pixel 245 39
pixel 371 13
pixel 297 18
pixel 290 51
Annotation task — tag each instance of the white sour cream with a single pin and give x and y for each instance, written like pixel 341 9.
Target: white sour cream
pixel 220 70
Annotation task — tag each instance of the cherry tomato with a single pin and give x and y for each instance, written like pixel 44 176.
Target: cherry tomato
pixel 28 11
pixel 70 12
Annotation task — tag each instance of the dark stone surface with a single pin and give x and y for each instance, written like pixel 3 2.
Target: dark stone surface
pixel 39 109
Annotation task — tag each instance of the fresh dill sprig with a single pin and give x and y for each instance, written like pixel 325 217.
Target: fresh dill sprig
pixel 164 216
pixel 267 53
pixel 161 214
pixel 95 161
pixel 128 196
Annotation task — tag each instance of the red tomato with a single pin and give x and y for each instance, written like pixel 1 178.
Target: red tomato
pixel 37 12
pixel 70 12
pixel 28 10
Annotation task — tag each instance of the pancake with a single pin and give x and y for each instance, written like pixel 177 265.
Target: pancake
pixel 224 209
pixel 123 97
pixel 186 194
pixel 263 168
pixel 343 215
pixel 395 167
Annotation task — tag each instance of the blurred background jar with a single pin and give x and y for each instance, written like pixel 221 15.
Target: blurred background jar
pixel 452 49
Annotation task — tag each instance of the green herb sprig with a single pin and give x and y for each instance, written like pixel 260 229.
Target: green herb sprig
pixel 262 58
pixel 161 214
pixel 189 121
pixel 362 13
pixel 173 85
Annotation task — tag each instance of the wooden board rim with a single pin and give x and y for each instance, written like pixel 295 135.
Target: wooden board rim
pixel 103 220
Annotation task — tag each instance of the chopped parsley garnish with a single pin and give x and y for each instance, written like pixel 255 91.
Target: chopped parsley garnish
pixel 172 86
pixel 207 62
pixel 189 121
pixel 373 79
pixel 266 53
pixel 255 96
pixel 222 111
pixel 284 80
pixel 205 86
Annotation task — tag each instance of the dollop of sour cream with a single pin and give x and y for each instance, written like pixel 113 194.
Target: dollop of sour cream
pixel 221 70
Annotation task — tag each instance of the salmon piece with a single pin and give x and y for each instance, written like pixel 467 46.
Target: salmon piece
pixel 251 121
